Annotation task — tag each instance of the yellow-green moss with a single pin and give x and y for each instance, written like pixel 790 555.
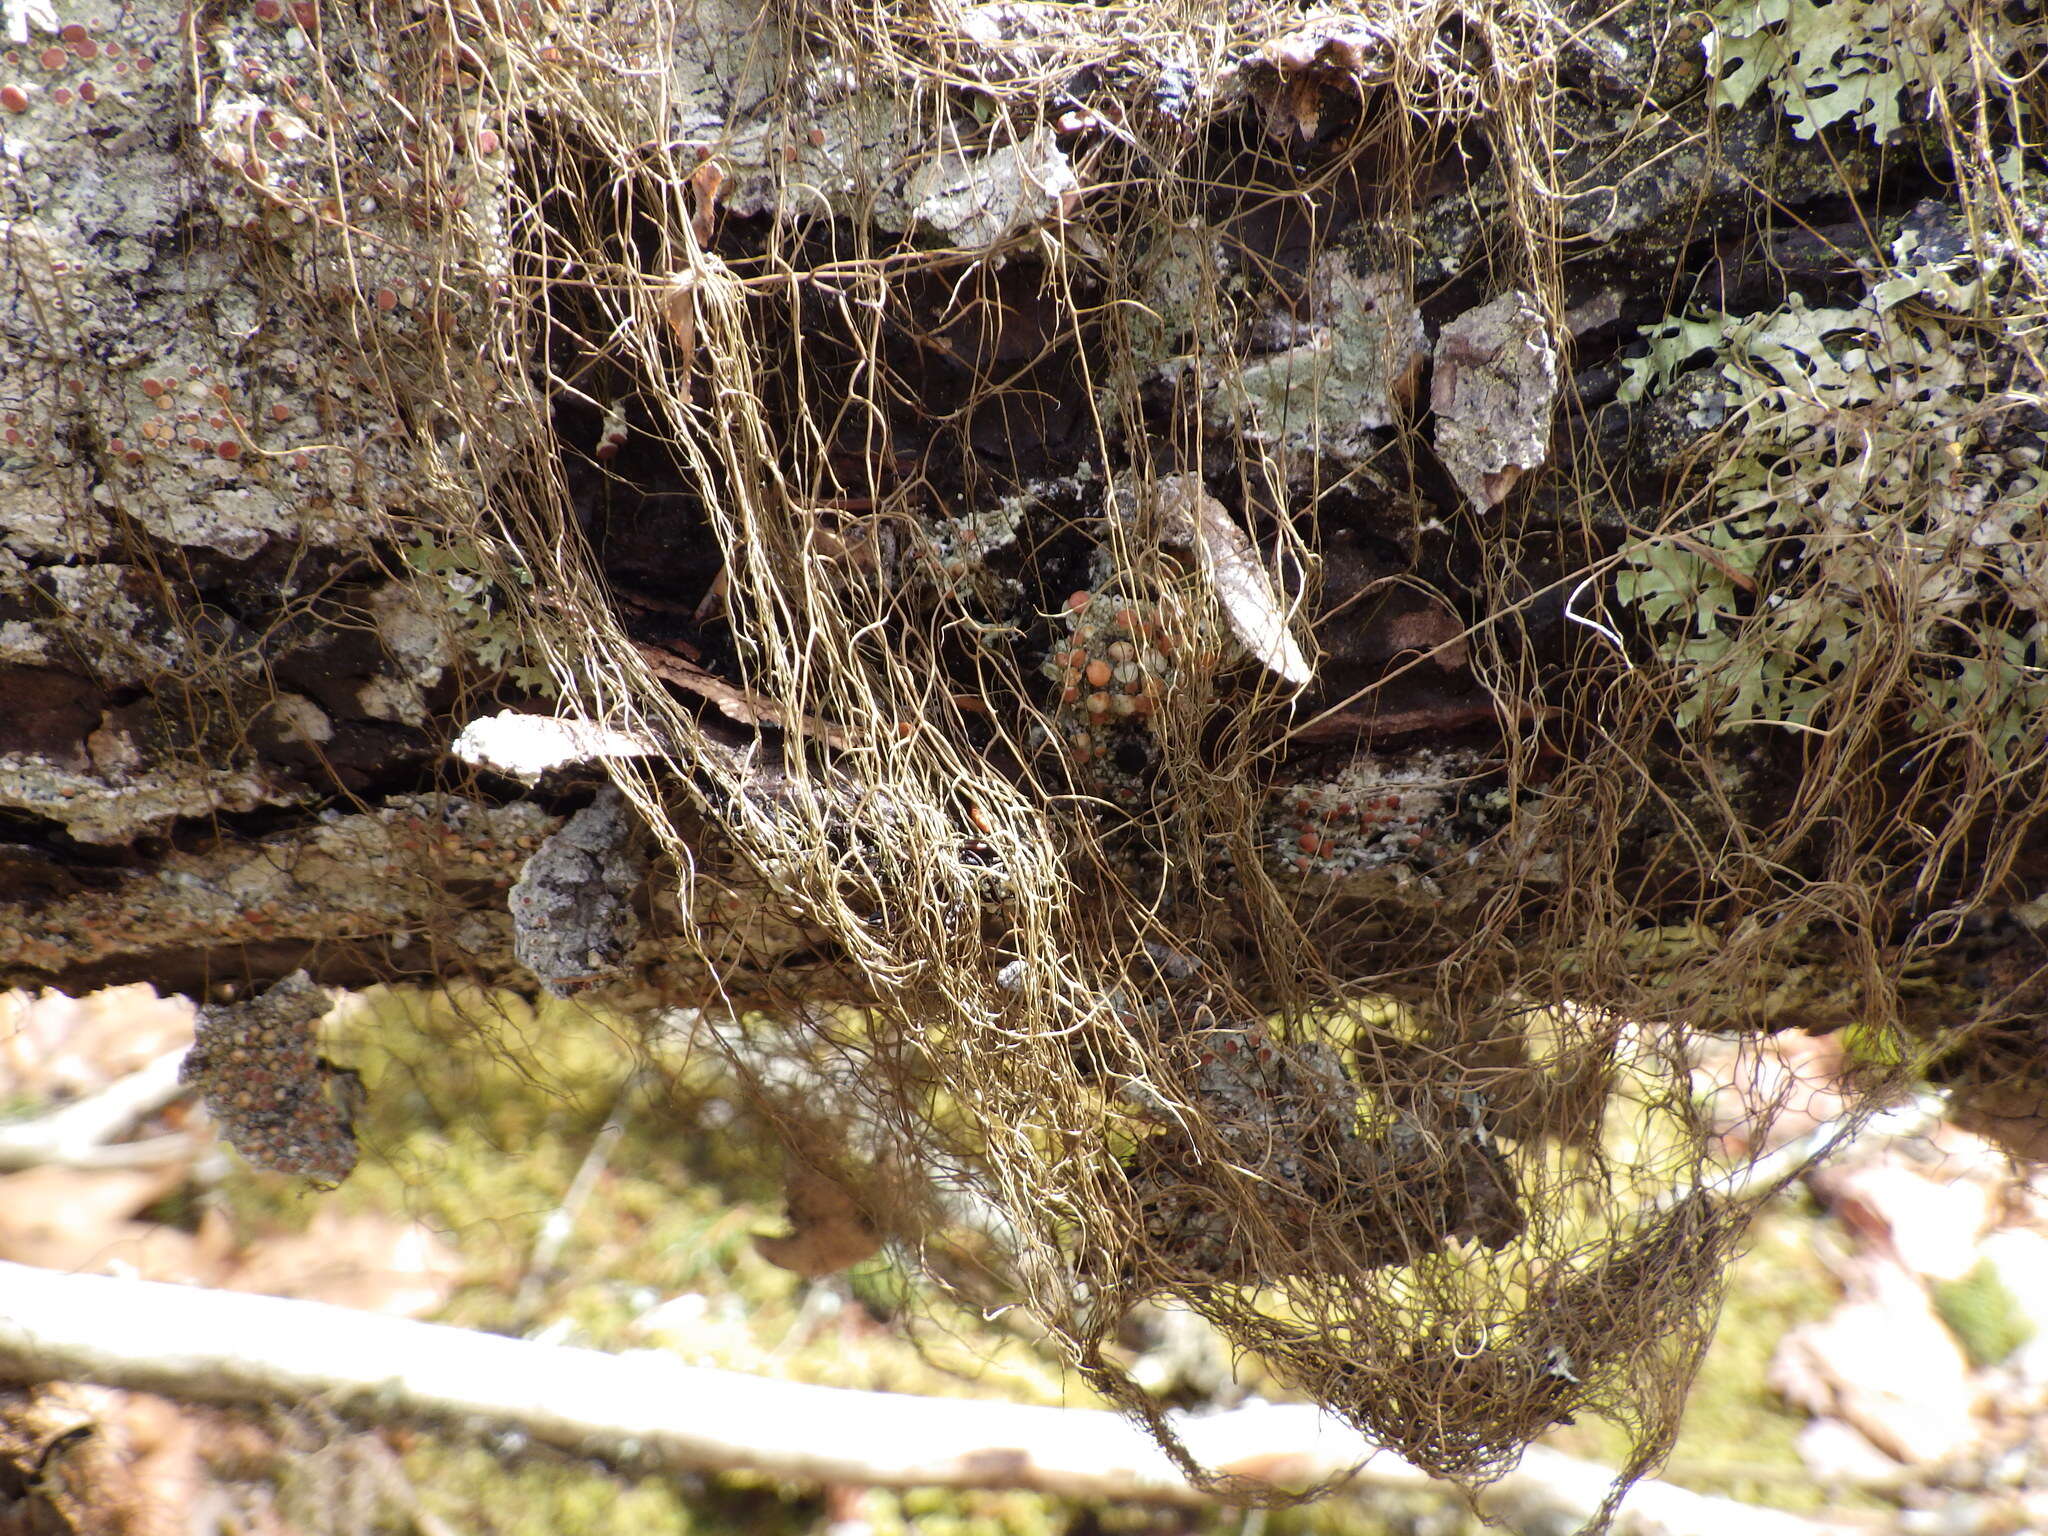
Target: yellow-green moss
pixel 482 1109
pixel 1738 1439
pixel 1983 1314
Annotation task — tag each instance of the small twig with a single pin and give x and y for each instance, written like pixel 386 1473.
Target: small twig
pixel 77 1135
pixel 561 1221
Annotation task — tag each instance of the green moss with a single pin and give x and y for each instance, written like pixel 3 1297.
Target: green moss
pixel 477 1490
pixel 482 1110
pixel 1985 1317
pixel 1737 1439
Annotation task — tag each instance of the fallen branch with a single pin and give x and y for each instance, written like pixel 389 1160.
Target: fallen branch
pixel 647 1409
pixel 76 1136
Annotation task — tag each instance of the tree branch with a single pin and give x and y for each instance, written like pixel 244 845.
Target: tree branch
pixel 646 1408
pixel 77 1135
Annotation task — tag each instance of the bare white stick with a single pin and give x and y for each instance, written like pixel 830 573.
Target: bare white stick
pixel 77 1135
pixel 648 1408
pixel 561 1221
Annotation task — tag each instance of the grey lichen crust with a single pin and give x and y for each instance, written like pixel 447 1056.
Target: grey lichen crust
pixel 1340 377
pixel 280 1104
pixel 572 910
pixel 1494 386
pixel 188 365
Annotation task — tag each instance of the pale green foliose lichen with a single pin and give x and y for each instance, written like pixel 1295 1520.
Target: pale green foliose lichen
pixel 1881 490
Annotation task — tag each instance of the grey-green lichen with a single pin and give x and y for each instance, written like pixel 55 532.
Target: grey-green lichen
pixel 1866 64
pixel 1880 490
pixel 1341 374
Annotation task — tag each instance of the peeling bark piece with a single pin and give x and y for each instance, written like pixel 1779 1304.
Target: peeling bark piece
pixel 1495 382
pixel 572 910
pixel 1191 518
pixel 258 1067
pixel 977 200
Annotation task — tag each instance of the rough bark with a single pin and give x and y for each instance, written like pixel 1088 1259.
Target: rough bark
pixel 1080 540
pixel 225 709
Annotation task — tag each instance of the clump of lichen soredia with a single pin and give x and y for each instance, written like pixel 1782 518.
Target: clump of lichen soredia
pixel 280 1104
pixel 1404 816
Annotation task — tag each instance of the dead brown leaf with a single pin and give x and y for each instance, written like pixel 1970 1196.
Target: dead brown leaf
pixel 57 1047
pixel 366 1261
pixel 679 309
pixel 83 1219
pixel 705 183
pixel 831 1232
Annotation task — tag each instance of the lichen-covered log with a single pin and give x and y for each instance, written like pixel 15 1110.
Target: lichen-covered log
pixel 1467 543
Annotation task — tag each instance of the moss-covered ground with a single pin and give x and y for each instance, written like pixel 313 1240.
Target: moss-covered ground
pixel 482 1110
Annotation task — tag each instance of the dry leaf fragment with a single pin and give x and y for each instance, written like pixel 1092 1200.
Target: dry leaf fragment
pixel 80 1218
pixel 705 184
pixel 831 1232
pixel 738 704
pixel 679 309
pixel 369 1262
pixel 1289 74
pixel 1191 518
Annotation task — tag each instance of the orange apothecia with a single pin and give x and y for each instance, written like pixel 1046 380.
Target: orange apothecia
pixel 1112 666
